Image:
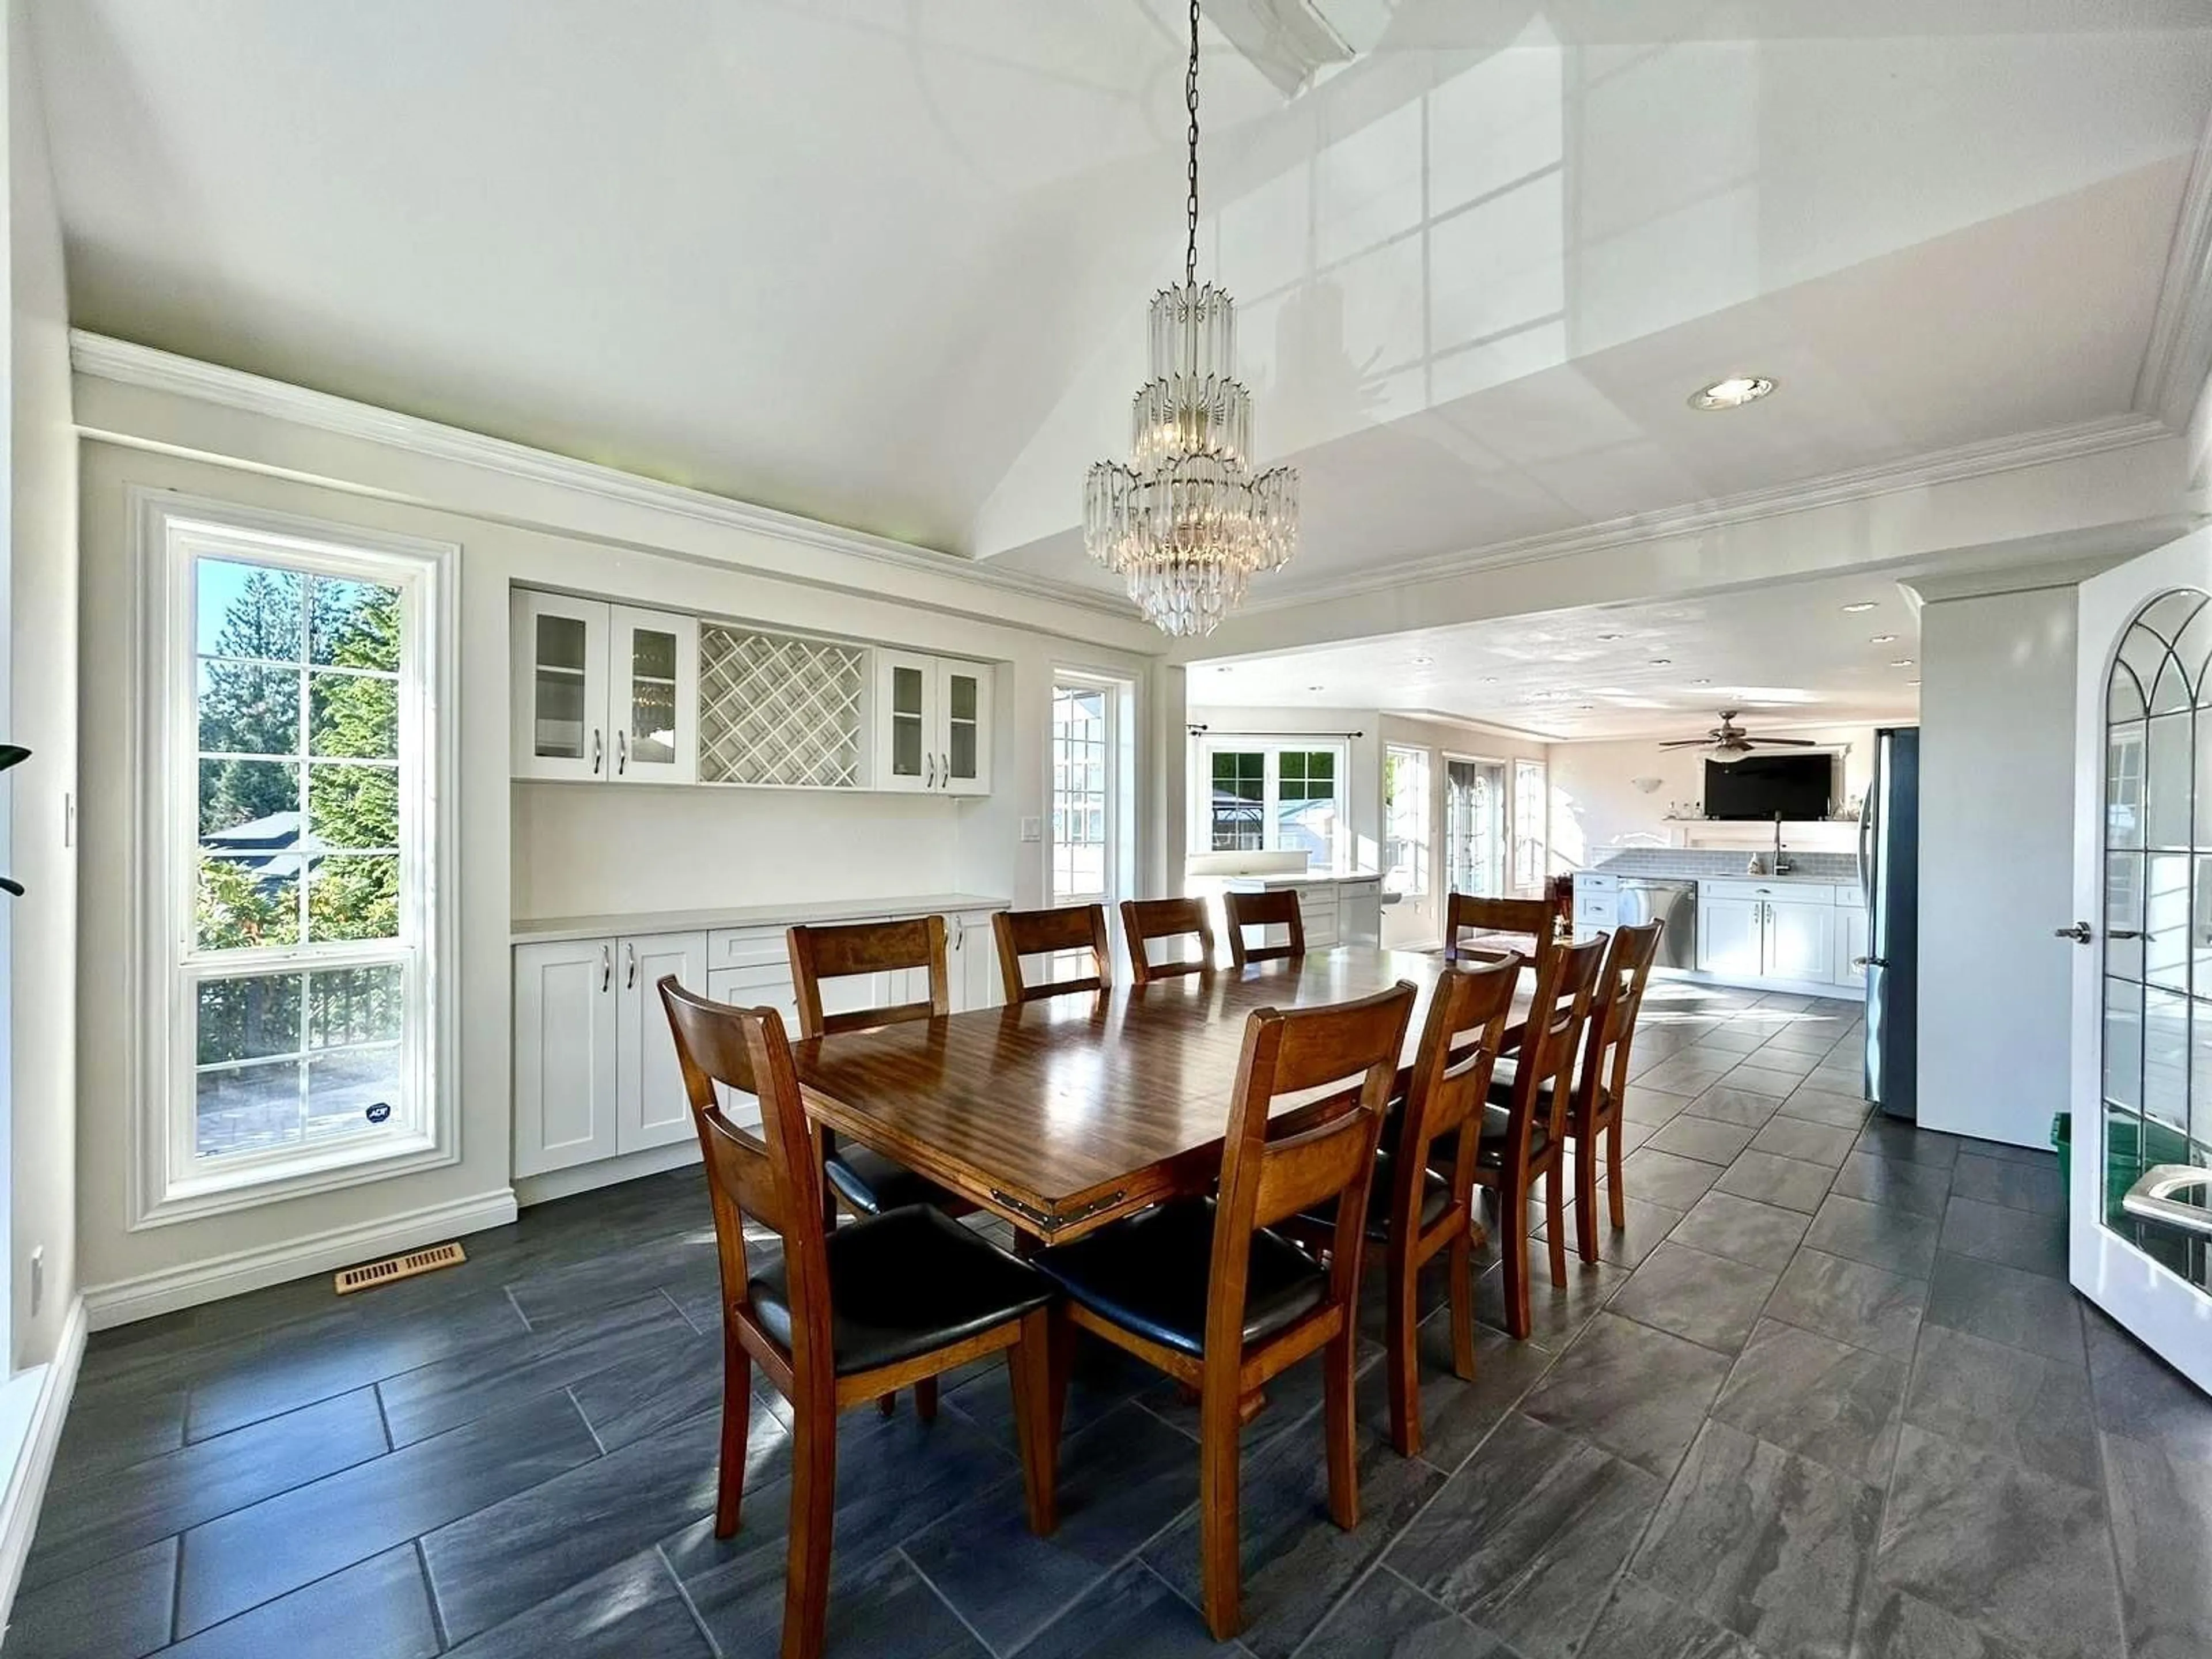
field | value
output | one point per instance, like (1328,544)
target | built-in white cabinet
(595,1070)
(932,725)
(1850,945)
(1751,931)
(604,692)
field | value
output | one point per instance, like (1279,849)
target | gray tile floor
(1827,1394)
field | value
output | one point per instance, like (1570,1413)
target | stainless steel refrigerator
(1889,871)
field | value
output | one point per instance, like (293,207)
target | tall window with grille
(293,872)
(1083,767)
(1529,825)
(1406,810)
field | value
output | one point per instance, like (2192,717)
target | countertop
(1306,878)
(549,930)
(1793,878)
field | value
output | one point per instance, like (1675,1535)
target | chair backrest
(867,947)
(1276,908)
(1324,1149)
(1459,1044)
(1613,1008)
(775,1179)
(1143,919)
(1472,912)
(1049,933)
(1566,984)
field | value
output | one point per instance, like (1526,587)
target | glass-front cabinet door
(906,721)
(560,694)
(653,682)
(964,755)
(2140,1192)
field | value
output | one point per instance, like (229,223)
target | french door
(1474,826)
(2141,1228)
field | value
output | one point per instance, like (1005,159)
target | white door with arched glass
(2140,1212)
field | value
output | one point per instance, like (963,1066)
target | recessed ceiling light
(1913,682)
(1854,610)
(1490,679)
(1317,688)
(1883,639)
(1701,682)
(1423,662)
(1607,639)
(1662,662)
(1900,662)
(1732,392)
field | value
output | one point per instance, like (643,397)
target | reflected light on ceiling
(1733,391)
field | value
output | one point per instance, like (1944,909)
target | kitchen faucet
(1781,865)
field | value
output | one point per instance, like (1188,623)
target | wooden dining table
(1066,1113)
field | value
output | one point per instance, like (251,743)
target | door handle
(607,966)
(2125,933)
(2080,933)
(621,752)
(630,969)
(1869,961)
(2151,1199)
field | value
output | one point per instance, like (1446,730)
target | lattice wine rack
(775,709)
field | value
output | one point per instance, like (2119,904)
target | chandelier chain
(1190,206)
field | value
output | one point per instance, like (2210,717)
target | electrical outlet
(1032,829)
(38,1277)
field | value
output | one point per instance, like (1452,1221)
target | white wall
(525,847)
(1996,806)
(1597,808)
(42,667)
(1408,924)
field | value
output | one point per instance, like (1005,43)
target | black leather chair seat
(872,1184)
(902,1283)
(1490,1148)
(1149,1274)
(1436,1197)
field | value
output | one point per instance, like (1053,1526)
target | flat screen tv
(1758,786)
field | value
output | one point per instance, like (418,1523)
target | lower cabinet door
(1850,945)
(971,964)
(1730,937)
(652,1107)
(1800,941)
(565,1054)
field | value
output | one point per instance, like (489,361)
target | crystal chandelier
(1187,523)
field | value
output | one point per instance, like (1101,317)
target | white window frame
(1423,816)
(167,1182)
(1201,787)
(1116,692)
(1535,836)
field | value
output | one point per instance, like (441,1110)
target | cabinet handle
(599,751)
(607,966)
(630,969)
(945,770)
(932,784)
(621,752)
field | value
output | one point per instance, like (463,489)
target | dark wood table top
(1063,1114)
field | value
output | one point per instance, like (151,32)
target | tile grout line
(430,1594)
(944,1600)
(683,1594)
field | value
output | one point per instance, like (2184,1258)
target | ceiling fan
(1729,739)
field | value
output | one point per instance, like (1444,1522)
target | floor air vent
(369,1277)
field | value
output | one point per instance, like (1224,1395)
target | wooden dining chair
(842,1316)
(1203,1289)
(1415,1212)
(1524,1124)
(867,1182)
(1601,1084)
(1488,917)
(1277,908)
(1146,920)
(1052,932)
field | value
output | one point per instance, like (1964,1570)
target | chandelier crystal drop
(1185,522)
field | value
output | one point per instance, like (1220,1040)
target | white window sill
(247,1189)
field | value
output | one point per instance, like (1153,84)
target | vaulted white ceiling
(884,262)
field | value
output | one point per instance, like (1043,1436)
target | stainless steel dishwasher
(1675,902)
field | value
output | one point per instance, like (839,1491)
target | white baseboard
(128,1299)
(54,1383)
(606,1172)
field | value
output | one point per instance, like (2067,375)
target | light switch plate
(1032,829)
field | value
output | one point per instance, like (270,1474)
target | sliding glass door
(1474,826)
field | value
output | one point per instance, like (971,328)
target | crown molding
(2179,358)
(123,362)
(1940,466)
